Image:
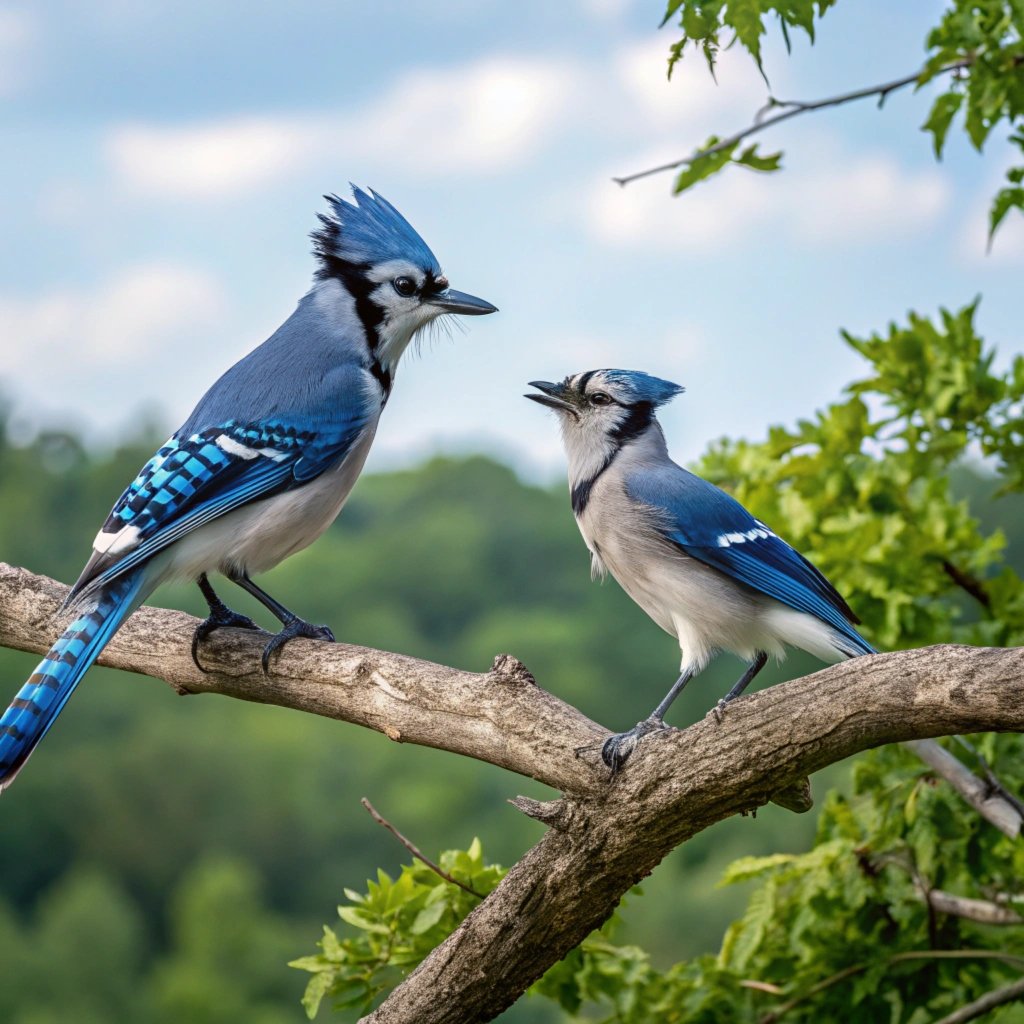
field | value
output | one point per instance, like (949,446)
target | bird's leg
(741,684)
(293,625)
(220,615)
(617,748)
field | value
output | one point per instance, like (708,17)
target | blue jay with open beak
(690,555)
(265,461)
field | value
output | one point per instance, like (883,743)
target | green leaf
(757,161)
(943,110)
(428,917)
(745,17)
(359,919)
(1006,199)
(701,166)
(316,988)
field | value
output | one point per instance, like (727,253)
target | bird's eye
(405,286)
(600,398)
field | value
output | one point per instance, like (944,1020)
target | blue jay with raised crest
(266,460)
(689,554)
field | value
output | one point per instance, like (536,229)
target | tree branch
(989,1001)
(793,107)
(416,852)
(985,797)
(605,837)
(982,911)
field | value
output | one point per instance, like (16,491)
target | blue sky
(164,163)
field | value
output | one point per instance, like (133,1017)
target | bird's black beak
(451,301)
(551,396)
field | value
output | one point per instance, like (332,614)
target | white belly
(257,536)
(705,610)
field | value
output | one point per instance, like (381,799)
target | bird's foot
(294,628)
(719,711)
(219,617)
(618,748)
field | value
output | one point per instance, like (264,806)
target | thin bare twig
(793,107)
(971,584)
(437,869)
(896,958)
(990,775)
(989,1001)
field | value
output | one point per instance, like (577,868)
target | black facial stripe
(383,377)
(636,422)
(354,278)
(581,387)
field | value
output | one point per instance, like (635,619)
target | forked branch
(603,837)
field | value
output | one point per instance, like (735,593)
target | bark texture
(604,835)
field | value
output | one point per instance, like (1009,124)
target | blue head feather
(632,386)
(368,231)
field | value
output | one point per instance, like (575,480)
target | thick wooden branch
(604,836)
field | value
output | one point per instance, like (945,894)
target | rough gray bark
(604,836)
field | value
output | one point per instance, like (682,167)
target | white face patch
(388,271)
(403,317)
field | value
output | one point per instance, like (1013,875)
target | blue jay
(690,555)
(265,461)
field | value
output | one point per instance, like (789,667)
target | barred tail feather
(43,697)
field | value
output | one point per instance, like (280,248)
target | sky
(164,163)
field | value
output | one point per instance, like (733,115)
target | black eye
(405,286)
(599,398)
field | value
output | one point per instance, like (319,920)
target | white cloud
(604,10)
(692,101)
(207,161)
(480,117)
(838,201)
(17,35)
(138,314)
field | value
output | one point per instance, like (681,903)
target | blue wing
(197,476)
(711,526)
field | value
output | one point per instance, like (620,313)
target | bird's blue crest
(368,230)
(631,386)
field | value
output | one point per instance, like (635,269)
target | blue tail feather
(43,697)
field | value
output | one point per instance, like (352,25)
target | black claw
(618,748)
(218,618)
(294,628)
(719,711)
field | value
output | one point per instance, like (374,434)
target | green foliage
(397,922)
(706,22)
(842,932)
(977,49)
(865,486)
(713,157)
(987,36)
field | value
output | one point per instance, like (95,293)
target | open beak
(551,396)
(451,301)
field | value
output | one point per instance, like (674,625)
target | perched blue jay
(265,461)
(690,555)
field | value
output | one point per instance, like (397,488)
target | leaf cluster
(397,922)
(711,25)
(865,487)
(988,36)
(979,44)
